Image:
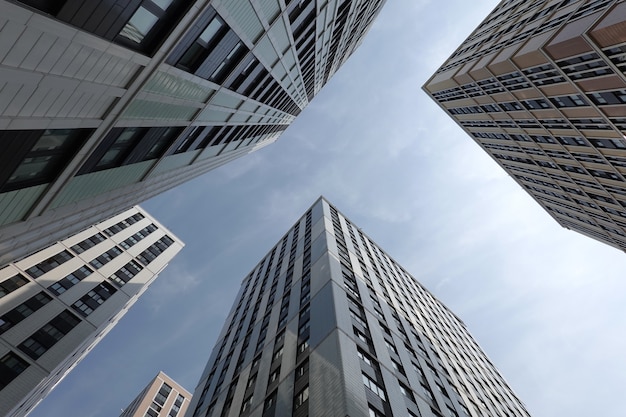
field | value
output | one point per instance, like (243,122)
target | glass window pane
(139,25)
(210,31)
(163,4)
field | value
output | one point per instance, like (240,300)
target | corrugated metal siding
(16,204)
(245,17)
(96,183)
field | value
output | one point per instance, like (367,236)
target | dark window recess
(199,41)
(93,299)
(106,257)
(19,313)
(135,24)
(608,97)
(118,227)
(11,366)
(137,237)
(155,250)
(187,141)
(35,157)
(126,273)
(46,337)
(573,100)
(11,284)
(49,264)
(210,49)
(244,74)
(129,145)
(69,281)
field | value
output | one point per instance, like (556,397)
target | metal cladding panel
(16,204)
(243,15)
(88,185)
(323,314)
(326,379)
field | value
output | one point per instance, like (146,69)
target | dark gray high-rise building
(540,86)
(104,104)
(328,324)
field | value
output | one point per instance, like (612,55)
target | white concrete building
(58,303)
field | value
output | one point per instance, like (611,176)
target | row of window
(362,333)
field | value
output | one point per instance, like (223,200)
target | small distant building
(162,397)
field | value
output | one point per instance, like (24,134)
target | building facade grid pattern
(540,86)
(328,324)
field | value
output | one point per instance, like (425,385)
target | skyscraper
(105,104)
(162,397)
(58,303)
(328,324)
(540,86)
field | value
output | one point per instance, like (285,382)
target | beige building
(58,303)
(540,86)
(162,397)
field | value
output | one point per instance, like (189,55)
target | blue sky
(545,303)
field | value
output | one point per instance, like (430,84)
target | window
(303,346)
(391,346)
(88,243)
(406,391)
(246,405)
(176,407)
(118,227)
(302,369)
(304,327)
(11,366)
(196,53)
(365,358)
(162,395)
(274,376)
(374,413)
(397,367)
(371,384)
(93,299)
(126,273)
(120,148)
(137,237)
(49,152)
(106,257)
(49,264)
(270,401)
(69,281)
(155,250)
(11,284)
(301,398)
(46,337)
(573,100)
(146,25)
(227,65)
(278,354)
(19,313)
